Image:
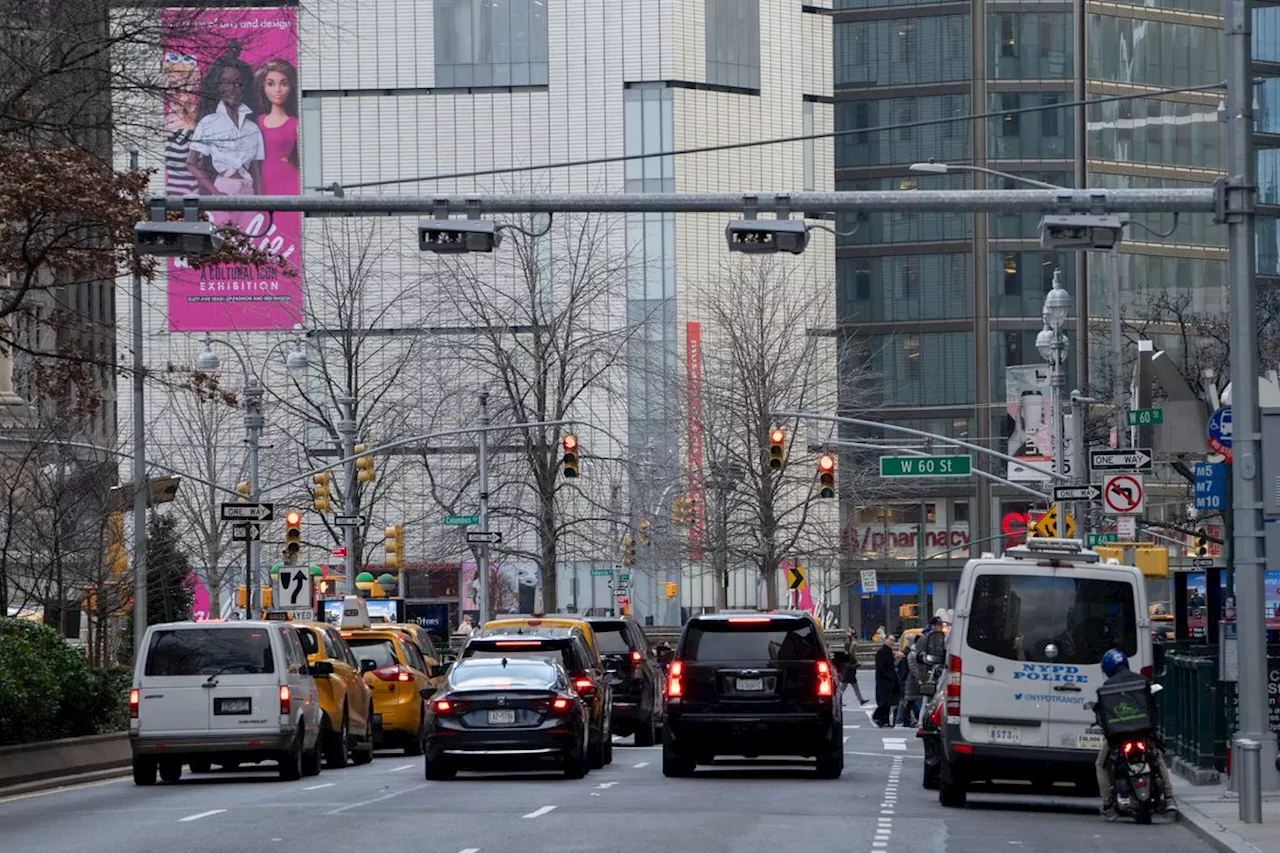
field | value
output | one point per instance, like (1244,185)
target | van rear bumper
(208,744)
(977,762)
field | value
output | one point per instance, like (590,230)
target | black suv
(751,685)
(634,675)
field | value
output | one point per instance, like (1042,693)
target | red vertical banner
(697,495)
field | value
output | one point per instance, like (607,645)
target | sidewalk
(1213,813)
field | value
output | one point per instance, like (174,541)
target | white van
(222,693)
(1024,656)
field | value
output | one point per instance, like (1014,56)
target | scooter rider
(1115,666)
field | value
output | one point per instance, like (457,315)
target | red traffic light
(293,518)
(570,442)
(777,436)
(826,463)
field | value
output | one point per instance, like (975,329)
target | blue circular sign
(1219,430)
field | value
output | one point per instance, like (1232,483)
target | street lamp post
(1052,344)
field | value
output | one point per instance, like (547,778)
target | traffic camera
(364,465)
(458,236)
(570,446)
(292,535)
(175,239)
(767,236)
(1080,232)
(827,476)
(394,546)
(320,493)
(777,449)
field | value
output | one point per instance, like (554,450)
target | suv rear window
(528,673)
(544,651)
(611,637)
(1016,616)
(774,640)
(381,652)
(204,651)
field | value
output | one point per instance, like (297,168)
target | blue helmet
(1114,661)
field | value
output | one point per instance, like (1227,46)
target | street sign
(625,577)
(1101,539)
(348,520)
(340,551)
(1127,528)
(796,577)
(1076,493)
(1202,562)
(601,573)
(1133,459)
(624,601)
(247,512)
(1219,430)
(1047,526)
(1144,417)
(300,615)
(246,531)
(620,593)
(475,537)
(461,520)
(868,581)
(1122,494)
(1211,485)
(291,588)
(925,466)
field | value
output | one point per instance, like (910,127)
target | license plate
(1093,742)
(502,718)
(1005,735)
(232,706)
(746,685)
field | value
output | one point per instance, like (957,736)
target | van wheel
(647,734)
(952,791)
(311,760)
(170,770)
(674,763)
(831,765)
(337,746)
(363,753)
(608,747)
(291,761)
(595,753)
(144,771)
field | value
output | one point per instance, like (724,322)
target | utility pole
(347,435)
(482,460)
(1246,510)
(140,490)
(253,422)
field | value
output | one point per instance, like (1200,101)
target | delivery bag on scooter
(1124,707)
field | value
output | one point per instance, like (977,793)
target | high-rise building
(940,305)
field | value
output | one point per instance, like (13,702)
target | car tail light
(286,700)
(560,705)
(953,686)
(393,673)
(636,657)
(1148,672)
(936,716)
(443,706)
(749,620)
(674,687)
(134,697)
(581,683)
(515,643)
(637,663)
(826,687)
(1131,745)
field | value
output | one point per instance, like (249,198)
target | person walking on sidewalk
(850,674)
(888,690)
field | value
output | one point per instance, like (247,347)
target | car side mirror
(934,660)
(1089,706)
(928,688)
(321,668)
(586,691)
(438,670)
(367,665)
(426,692)
(935,645)
(666,655)
(449,658)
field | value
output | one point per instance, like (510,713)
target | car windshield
(772,640)
(611,637)
(484,673)
(491,651)
(381,651)
(1017,617)
(206,651)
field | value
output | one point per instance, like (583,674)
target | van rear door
(234,675)
(171,701)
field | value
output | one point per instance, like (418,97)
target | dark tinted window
(204,651)
(1016,616)
(381,652)
(748,641)
(611,637)
(310,644)
(563,653)
(522,673)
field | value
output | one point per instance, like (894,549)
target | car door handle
(1066,688)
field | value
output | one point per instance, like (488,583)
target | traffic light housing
(827,476)
(394,546)
(628,550)
(265,597)
(365,472)
(570,446)
(292,535)
(116,555)
(645,524)
(320,495)
(672,589)
(1200,543)
(777,448)
(243,489)
(240,597)
(681,511)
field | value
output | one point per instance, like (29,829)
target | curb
(1209,830)
(56,782)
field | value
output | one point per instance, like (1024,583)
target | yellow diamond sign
(1047,526)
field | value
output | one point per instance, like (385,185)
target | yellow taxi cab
(345,699)
(396,672)
(908,638)
(552,621)
(421,638)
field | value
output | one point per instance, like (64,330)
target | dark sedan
(504,713)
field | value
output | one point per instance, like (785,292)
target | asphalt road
(877,805)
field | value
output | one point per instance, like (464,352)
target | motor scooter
(1134,764)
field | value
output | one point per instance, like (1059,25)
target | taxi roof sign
(355,613)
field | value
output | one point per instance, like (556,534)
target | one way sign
(796,577)
(1076,493)
(1134,459)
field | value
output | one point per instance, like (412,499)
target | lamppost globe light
(1057,303)
(208,360)
(1044,342)
(297,363)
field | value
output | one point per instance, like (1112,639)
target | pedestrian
(465,629)
(850,674)
(887,689)
(910,688)
(918,674)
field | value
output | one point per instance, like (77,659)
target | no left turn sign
(1123,494)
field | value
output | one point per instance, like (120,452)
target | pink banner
(201,604)
(697,494)
(231,128)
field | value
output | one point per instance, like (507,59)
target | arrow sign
(795,577)
(1076,493)
(1137,459)
(246,531)
(1202,562)
(1123,494)
(247,512)
(348,520)
(475,537)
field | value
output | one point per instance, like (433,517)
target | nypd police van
(1024,656)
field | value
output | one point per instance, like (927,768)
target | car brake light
(1148,672)
(826,687)
(560,704)
(393,673)
(749,620)
(936,716)
(580,684)
(953,686)
(636,657)
(1131,745)
(510,643)
(674,688)
(134,696)
(285,700)
(443,706)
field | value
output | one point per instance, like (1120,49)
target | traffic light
(116,555)
(681,511)
(364,465)
(644,532)
(777,442)
(328,586)
(243,488)
(628,550)
(827,476)
(265,597)
(240,598)
(292,535)
(1200,544)
(394,546)
(672,589)
(320,493)
(570,445)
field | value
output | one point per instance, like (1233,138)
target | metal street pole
(482,461)
(253,422)
(347,435)
(1058,384)
(140,490)
(1080,128)
(1247,449)
(922,596)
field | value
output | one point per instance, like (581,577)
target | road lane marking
(606,785)
(641,764)
(192,817)
(321,785)
(846,739)
(539,812)
(401,767)
(470,850)
(895,744)
(879,754)
(13,798)
(349,806)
